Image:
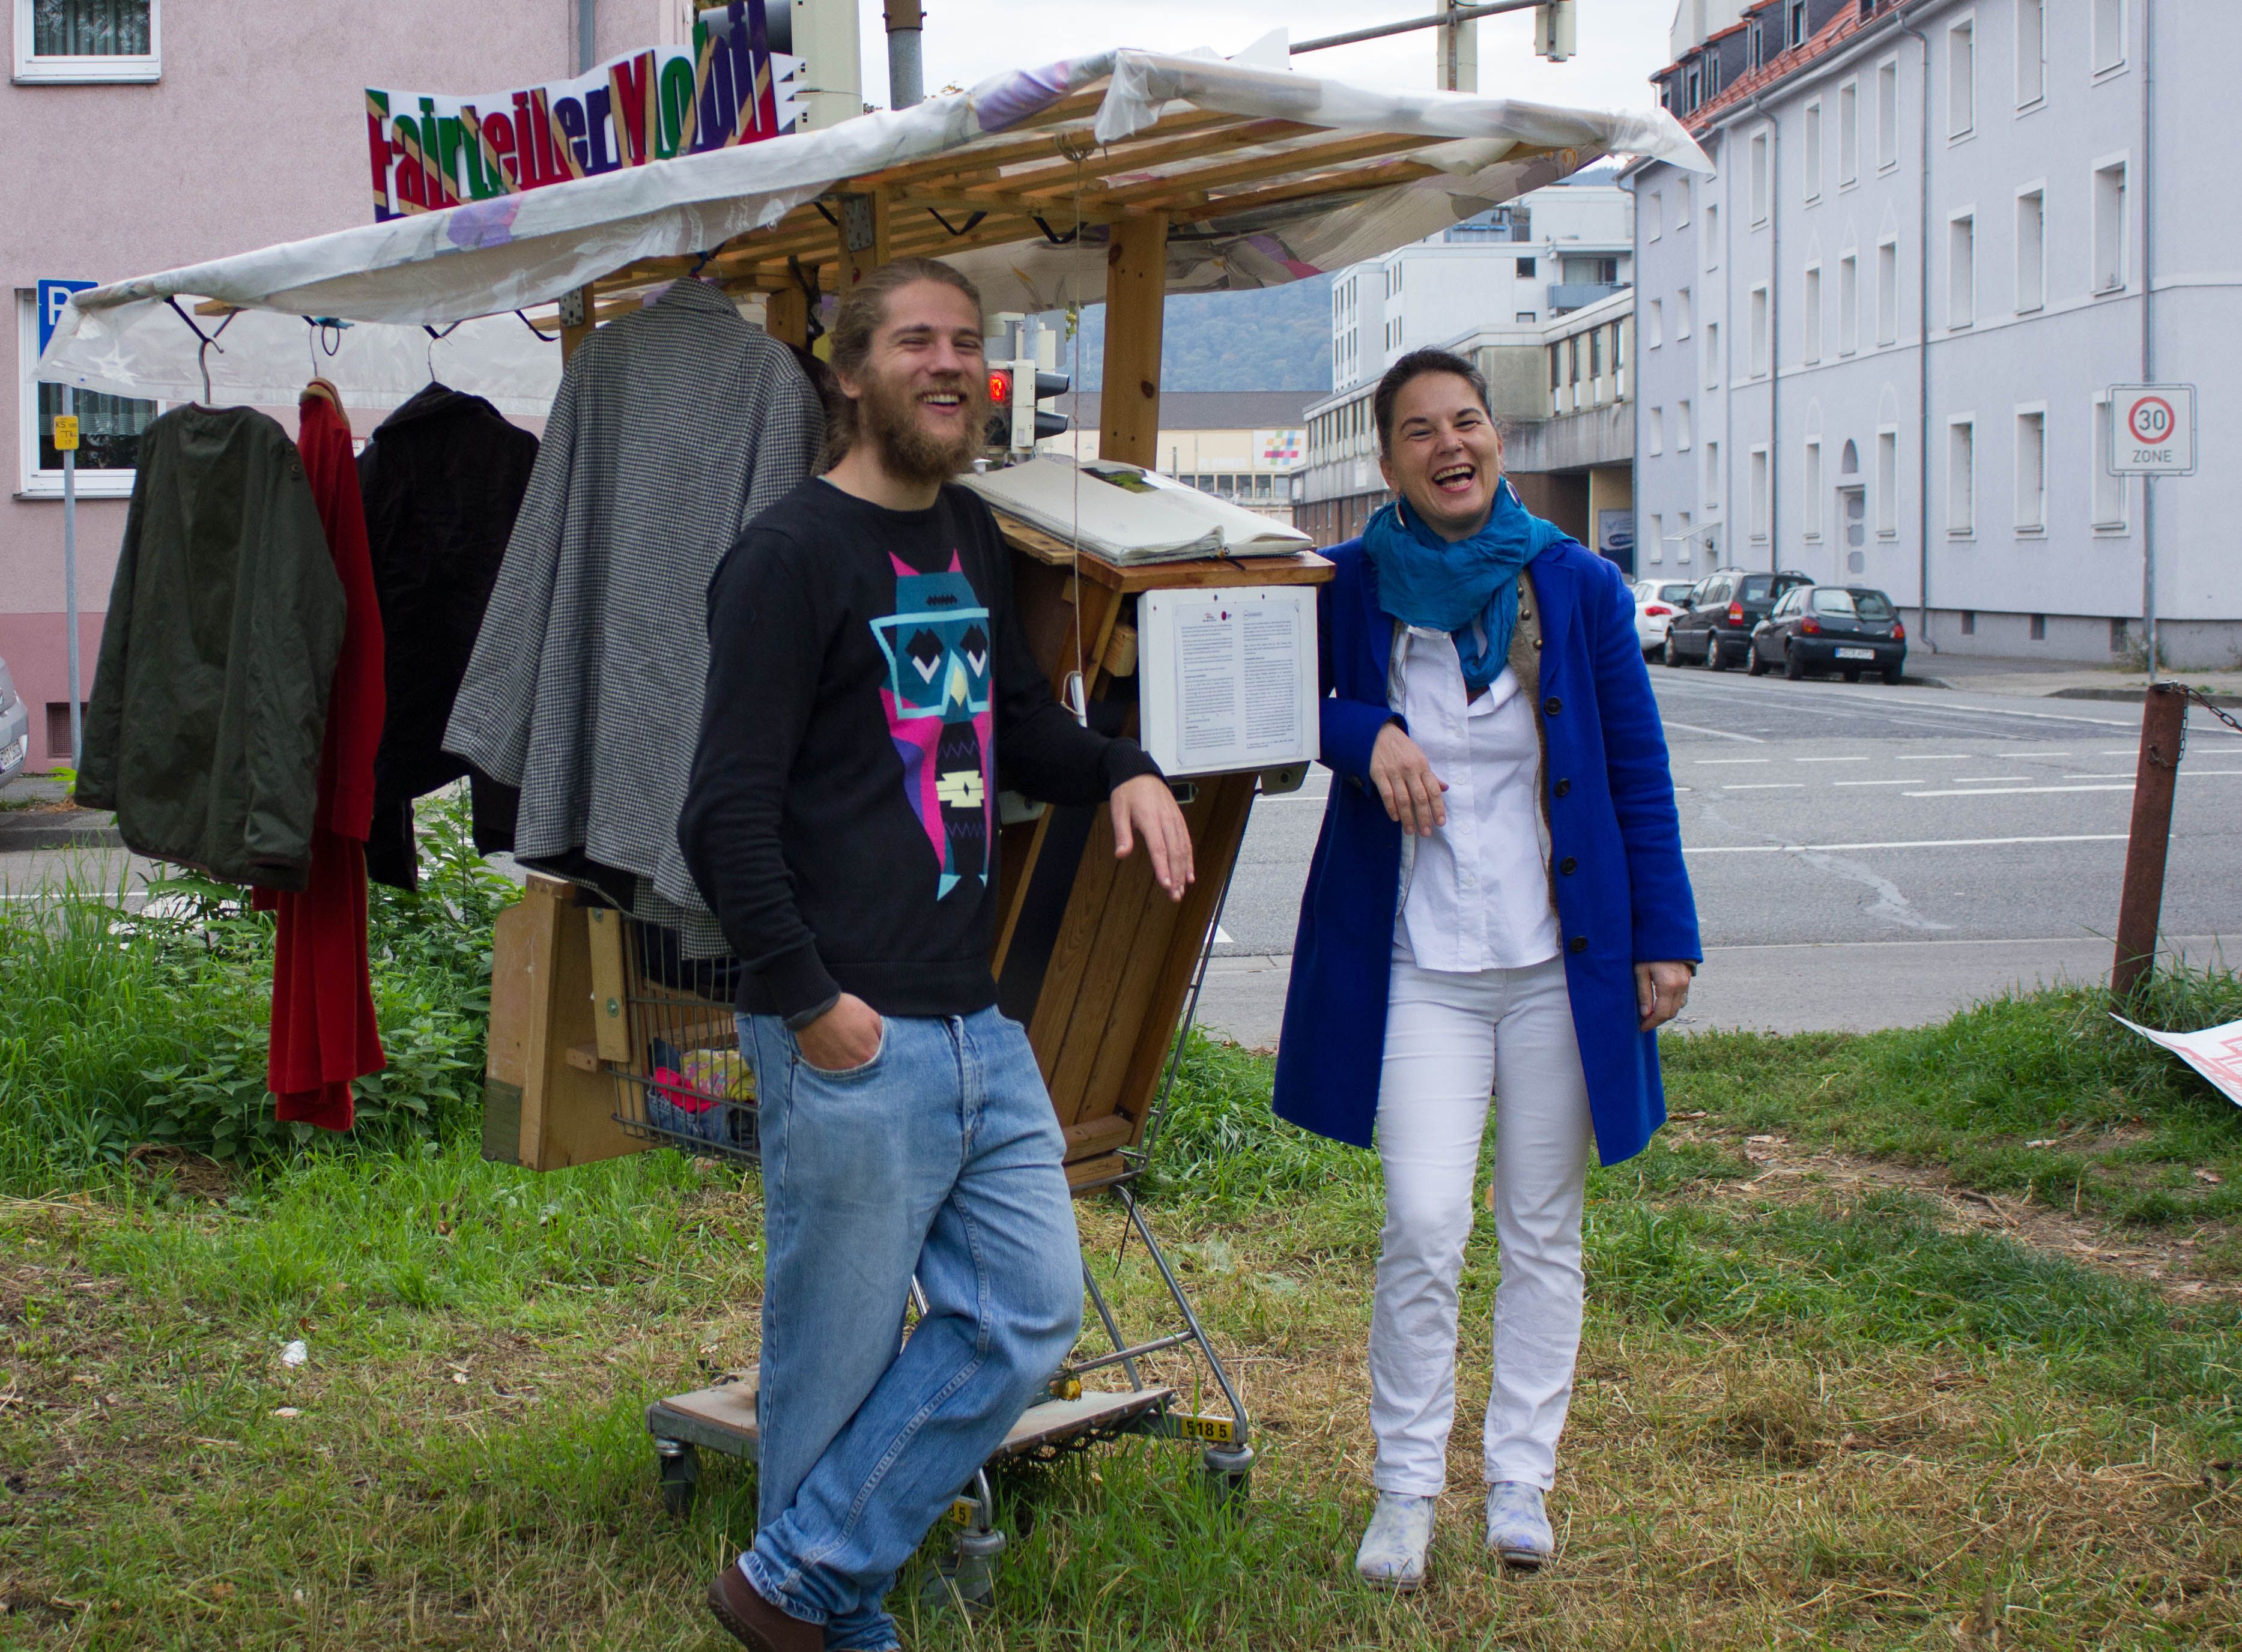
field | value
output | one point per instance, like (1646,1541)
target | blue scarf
(1468,588)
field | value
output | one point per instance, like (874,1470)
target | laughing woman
(1497,905)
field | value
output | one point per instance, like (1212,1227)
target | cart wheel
(1229,1473)
(680,1467)
(966,1579)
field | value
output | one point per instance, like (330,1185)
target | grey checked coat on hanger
(673,428)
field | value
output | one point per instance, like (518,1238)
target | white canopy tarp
(487,258)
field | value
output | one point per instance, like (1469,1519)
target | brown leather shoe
(753,1621)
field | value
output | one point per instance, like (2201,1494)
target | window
(2031,250)
(1712,476)
(1813,164)
(1796,33)
(1849,304)
(109,427)
(1681,427)
(1961,79)
(2038,629)
(1759,500)
(2031,470)
(1527,318)
(1712,355)
(2109,491)
(1888,484)
(1811,496)
(1813,307)
(63,41)
(2031,52)
(1849,133)
(1683,191)
(1888,292)
(1888,114)
(1681,313)
(1654,428)
(1655,326)
(2110,229)
(2108,35)
(1657,537)
(1758,332)
(1653,215)
(1759,178)
(1961,478)
(1526,269)
(1961,271)
(1711,233)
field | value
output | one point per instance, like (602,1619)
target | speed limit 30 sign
(2151,430)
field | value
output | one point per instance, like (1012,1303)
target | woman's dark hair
(863,307)
(1416,365)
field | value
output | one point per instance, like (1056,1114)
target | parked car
(15,727)
(1848,628)
(1656,602)
(1716,625)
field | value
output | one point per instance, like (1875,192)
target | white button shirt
(1475,894)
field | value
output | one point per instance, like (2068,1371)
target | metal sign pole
(70,572)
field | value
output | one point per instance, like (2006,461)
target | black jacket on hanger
(443,477)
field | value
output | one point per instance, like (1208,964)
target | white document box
(1226,679)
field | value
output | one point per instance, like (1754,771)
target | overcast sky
(1621,42)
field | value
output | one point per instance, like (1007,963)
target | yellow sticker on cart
(65,437)
(962,1510)
(1220,1430)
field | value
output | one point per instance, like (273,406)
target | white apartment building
(1550,252)
(1878,345)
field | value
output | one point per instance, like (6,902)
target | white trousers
(1450,1040)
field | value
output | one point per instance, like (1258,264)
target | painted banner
(2216,1052)
(733,85)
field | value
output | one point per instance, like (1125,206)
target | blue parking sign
(53,295)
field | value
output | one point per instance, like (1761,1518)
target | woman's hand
(1660,990)
(1405,782)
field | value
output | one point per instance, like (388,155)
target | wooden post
(786,316)
(863,235)
(1136,294)
(577,317)
(2164,725)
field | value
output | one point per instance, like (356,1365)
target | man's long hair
(863,307)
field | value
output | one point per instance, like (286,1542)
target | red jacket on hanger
(324,1033)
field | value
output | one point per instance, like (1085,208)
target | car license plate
(1856,653)
(13,752)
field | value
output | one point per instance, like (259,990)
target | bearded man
(870,688)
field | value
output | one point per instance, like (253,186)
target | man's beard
(887,417)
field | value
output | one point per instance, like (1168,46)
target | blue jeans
(940,1156)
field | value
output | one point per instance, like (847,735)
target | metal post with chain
(2164,742)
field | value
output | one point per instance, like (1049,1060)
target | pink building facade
(154,133)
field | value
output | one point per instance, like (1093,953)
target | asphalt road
(1862,855)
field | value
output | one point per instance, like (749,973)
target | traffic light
(1015,421)
(999,432)
(1556,30)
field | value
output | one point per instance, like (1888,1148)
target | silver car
(15,729)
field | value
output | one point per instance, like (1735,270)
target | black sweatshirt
(841,820)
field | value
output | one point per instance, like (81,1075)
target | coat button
(1552,705)
(1537,642)
(1562,786)
(1568,866)
(1579,943)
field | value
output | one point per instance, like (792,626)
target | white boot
(1392,1552)
(1517,1528)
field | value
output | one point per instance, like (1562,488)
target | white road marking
(2097,776)
(1973,780)
(1873,783)
(1222,936)
(1718,734)
(2039,753)
(2012,791)
(1932,757)
(1829,760)
(1923,843)
(1769,785)
(1730,762)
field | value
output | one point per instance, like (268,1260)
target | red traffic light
(1000,386)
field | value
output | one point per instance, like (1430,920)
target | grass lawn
(1926,1339)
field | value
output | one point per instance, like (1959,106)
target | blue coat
(1612,820)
